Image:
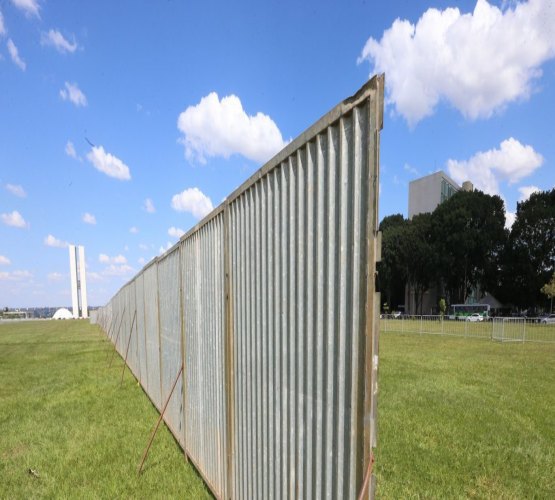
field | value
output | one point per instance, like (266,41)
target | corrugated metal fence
(269,306)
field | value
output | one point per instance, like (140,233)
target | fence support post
(229,349)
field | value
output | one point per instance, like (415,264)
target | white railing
(498,329)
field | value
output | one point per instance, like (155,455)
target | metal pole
(145,453)
(127,350)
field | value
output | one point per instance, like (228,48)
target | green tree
(419,257)
(530,255)
(391,274)
(549,290)
(468,237)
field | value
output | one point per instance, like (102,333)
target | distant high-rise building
(78,281)
(426,193)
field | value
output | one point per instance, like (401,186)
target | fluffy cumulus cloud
(194,201)
(72,93)
(511,162)
(55,39)
(52,241)
(149,206)
(133,230)
(527,191)
(16,190)
(29,7)
(175,232)
(89,218)
(478,62)
(14,54)
(14,219)
(106,259)
(217,127)
(4,261)
(55,277)
(108,164)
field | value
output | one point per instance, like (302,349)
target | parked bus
(462,311)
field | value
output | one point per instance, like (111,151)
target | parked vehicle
(548,319)
(475,317)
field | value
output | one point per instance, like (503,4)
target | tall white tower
(78,281)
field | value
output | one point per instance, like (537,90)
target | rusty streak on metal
(127,350)
(145,453)
(367,477)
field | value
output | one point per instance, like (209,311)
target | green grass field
(458,418)
(465,418)
(64,415)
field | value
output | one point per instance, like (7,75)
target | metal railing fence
(269,306)
(499,329)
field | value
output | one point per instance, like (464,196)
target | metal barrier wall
(269,305)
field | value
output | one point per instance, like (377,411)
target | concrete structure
(78,281)
(426,193)
(62,313)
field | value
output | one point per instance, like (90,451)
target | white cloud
(410,169)
(527,191)
(141,261)
(55,39)
(51,241)
(194,201)
(14,219)
(512,162)
(217,127)
(70,150)
(478,62)
(2,25)
(4,261)
(73,94)
(106,259)
(115,270)
(29,7)
(94,277)
(14,54)
(56,277)
(163,249)
(149,206)
(142,246)
(133,230)
(175,232)
(509,219)
(108,164)
(16,190)
(89,218)
(15,275)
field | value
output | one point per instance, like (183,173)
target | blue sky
(115,116)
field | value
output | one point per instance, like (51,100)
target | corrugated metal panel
(170,339)
(203,294)
(152,334)
(299,258)
(141,338)
(273,297)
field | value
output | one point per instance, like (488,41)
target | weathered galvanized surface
(204,328)
(269,304)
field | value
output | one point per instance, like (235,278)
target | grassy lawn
(458,418)
(64,415)
(465,418)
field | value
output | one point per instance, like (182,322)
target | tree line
(463,245)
